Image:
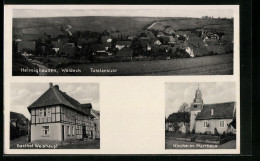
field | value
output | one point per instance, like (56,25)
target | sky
(143,12)
(24,94)
(178,93)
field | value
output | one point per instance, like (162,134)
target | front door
(91,135)
(62,133)
(84,132)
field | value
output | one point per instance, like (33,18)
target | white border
(132,108)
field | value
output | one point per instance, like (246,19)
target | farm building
(56,45)
(209,118)
(121,44)
(160,34)
(19,124)
(55,116)
(169,31)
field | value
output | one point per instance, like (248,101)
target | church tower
(195,108)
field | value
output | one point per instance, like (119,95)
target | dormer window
(212,112)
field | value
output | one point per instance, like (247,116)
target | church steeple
(198,96)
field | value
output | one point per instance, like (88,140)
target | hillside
(122,24)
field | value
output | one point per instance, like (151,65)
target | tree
(183,112)
(184,108)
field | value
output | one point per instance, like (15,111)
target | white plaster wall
(54,132)
(215,123)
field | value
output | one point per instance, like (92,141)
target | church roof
(220,111)
(54,96)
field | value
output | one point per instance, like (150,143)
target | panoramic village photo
(54,116)
(121,42)
(200,116)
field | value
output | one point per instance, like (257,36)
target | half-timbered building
(57,116)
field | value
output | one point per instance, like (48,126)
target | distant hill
(100,23)
(52,25)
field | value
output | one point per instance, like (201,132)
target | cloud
(24,94)
(178,93)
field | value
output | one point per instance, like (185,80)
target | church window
(205,124)
(221,123)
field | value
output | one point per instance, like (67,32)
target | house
(169,39)
(209,118)
(144,39)
(189,50)
(154,48)
(169,31)
(156,42)
(81,42)
(20,122)
(55,116)
(130,37)
(96,115)
(106,39)
(146,46)
(26,45)
(121,44)
(67,50)
(178,121)
(56,45)
(160,34)
(165,47)
(126,53)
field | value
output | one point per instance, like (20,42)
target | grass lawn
(175,144)
(215,64)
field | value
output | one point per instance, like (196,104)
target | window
(68,130)
(73,130)
(195,106)
(205,124)
(48,112)
(41,113)
(45,130)
(221,123)
(44,113)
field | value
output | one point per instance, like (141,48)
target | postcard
(121,79)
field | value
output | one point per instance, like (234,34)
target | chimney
(212,112)
(56,86)
(51,85)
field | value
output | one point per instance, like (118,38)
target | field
(39,26)
(208,65)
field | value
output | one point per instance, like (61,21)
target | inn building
(55,116)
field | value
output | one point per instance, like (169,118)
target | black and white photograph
(123,41)
(54,116)
(200,116)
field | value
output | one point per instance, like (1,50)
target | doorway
(62,132)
